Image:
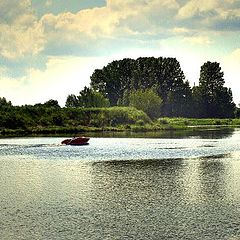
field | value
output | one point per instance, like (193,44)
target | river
(138,186)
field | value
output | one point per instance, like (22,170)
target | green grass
(80,120)
(178,123)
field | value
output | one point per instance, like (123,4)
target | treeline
(49,117)
(158,87)
(155,86)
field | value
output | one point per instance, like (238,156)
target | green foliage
(196,122)
(119,78)
(211,98)
(237,112)
(72,101)
(90,98)
(4,103)
(87,98)
(147,101)
(51,103)
(114,116)
(113,79)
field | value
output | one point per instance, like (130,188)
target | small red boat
(76,141)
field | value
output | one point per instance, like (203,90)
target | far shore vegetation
(146,94)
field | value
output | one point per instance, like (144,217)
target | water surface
(173,187)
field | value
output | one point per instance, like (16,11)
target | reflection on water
(49,191)
(210,133)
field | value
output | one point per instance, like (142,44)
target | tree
(118,78)
(237,111)
(4,103)
(72,101)
(113,79)
(90,98)
(214,99)
(52,103)
(198,106)
(147,101)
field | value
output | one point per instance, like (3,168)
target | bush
(147,101)
(163,121)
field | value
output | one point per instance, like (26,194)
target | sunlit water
(121,188)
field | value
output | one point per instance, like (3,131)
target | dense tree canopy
(120,78)
(87,98)
(162,74)
(211,97)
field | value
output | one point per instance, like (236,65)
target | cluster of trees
(50,117)
(87,98)
(155,85)
(158,87)
(21,117)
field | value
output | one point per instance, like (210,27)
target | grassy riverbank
(138,122)
(42,120)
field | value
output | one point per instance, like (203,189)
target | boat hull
(76,141)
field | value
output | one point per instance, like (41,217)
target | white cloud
(116,17)
(20,32)
(23,34)
(195,7)
(180,30)
(198,40)
(230,67)
(234,58)
(16,41)
(214,15)
(92,23)
(62,76)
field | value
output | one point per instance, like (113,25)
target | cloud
(91,30)
(116,16)
(232,60)
(104,28)
(66,74)
(198,40)
(214,15)
(20,32)
(16,41)
(230,66)
(195,7)
(48,3)
(12,10)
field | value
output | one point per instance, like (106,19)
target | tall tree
(113,79)
(215,99)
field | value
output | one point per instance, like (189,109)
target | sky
(50,48)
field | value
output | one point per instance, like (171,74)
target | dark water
(174,187)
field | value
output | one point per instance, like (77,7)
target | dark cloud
(228,24)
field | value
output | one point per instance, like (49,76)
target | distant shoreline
(160,125)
